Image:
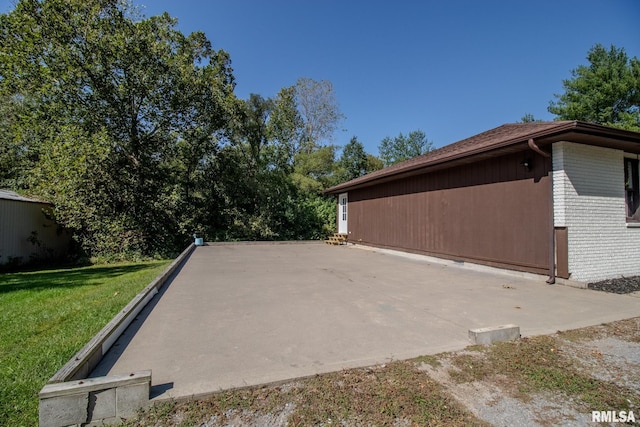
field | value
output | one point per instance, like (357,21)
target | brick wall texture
(588,192)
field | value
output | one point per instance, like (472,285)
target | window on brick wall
(632,190)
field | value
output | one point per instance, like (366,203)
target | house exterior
(555,198)
(27,230)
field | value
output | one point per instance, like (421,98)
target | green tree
(14,156)
(353,161)
(121,113)
(373,163)
(285,129)
(403,147)
(607,91)
(255,183)
(313,170)
(270,189)
(251,135)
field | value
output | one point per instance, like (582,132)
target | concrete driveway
(247,314)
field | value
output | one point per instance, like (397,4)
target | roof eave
(431,167)
(577,131)
(597,135)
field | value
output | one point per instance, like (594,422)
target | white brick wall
(588,199)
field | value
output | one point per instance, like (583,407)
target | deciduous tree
(114,101)
(285,128)
(319,110)
(373,163)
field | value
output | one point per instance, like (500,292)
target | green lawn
(47,316)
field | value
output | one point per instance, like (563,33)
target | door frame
(343,213)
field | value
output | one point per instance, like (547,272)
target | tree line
(133,131)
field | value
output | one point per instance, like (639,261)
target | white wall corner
(560,182)
(589,199)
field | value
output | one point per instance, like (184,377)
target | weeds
(469,368)
(627,330)
(401,393)
(397,392)
(538,364)
(430,360)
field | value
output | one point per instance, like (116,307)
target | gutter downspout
(552,244)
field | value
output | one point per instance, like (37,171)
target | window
(632,189)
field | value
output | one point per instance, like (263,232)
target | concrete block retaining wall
(70,399)
(94,401)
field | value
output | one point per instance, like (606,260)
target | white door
(342,213)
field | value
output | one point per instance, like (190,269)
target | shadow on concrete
(121,344)
(158,389)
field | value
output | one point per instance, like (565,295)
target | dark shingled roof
(493,142)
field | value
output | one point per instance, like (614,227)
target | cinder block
(64,410)
(103,422)
(94,400)
(131,398)
(102,404)
(486,336)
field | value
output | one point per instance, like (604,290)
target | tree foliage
(132,129)
(285,128)
(373,163)
(607,91)
(112,102)
(355,162)
(271,188)
(13,157)
(401,148)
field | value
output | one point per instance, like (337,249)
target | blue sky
(450,68)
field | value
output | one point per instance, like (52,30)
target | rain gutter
(552,244)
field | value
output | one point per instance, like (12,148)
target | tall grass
(47,316)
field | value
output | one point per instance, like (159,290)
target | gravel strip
(620,285)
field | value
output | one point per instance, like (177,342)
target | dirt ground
(608,353)
(550,380)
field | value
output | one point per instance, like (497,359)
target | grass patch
(47,316)
(626,330)
(469,368)
(538,364)
(397,392)
(377,396)
(430,360)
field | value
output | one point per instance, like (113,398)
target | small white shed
(28,231)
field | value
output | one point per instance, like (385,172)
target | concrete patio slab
(246,314)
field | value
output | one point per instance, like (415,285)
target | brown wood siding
(493,212)
(562,252)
